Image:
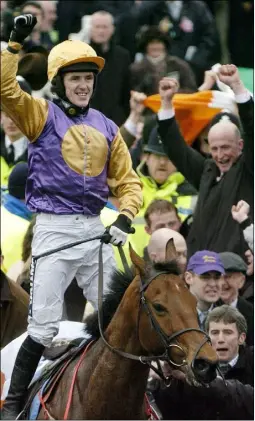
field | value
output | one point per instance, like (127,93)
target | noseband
(167,341)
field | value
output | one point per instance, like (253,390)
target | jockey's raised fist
(23,26)
(167,88)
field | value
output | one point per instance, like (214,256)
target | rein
(145,359)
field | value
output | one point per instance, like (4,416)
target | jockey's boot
(24,369)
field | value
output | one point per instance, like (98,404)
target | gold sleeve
(122,179)
(29,114)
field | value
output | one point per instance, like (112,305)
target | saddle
(61,347)
(61,355)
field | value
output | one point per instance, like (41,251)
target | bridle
(167,341)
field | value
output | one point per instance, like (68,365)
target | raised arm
(229,75)
(129,129)
(188,161)
(29,114)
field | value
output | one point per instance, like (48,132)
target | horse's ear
(171,253)
(137,261)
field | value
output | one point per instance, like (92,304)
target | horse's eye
(159,308)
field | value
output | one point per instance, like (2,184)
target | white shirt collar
(234,361)
(19,145)
(234,303)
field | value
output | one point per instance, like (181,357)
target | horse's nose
(204,370)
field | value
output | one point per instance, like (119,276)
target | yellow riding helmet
(71,52)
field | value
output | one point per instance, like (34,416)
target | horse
(149,315)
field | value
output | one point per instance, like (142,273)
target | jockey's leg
(52,275)
(87,274)
(25,366)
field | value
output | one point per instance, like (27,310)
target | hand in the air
(240,211)
(228,74)
(210,78)
(167,88)
(23,26)
(136,102)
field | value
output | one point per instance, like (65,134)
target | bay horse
(147,315)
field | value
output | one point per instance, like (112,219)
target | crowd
(124,118)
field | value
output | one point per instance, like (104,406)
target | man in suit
(13,143)
(227,329)
(234,279)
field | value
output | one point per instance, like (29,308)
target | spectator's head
(72,70)
(18,180)
(204,276)
(154,43)
(161,214)
(49,15)
(234,278)
(227,329)
(33,67)
(224,139)
(9,127)
(159,165)
(102,27)
(35,9)
(158,242)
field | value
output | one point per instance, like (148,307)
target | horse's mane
(120,281)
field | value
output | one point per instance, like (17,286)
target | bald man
(157,246)
(221,181)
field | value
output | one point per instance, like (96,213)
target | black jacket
(113,84)
(213,227)
(5,154)
(247,310)
(243,370)
(217,402)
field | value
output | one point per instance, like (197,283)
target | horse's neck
(121,382)
(116,385)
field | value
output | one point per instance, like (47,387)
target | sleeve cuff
(246,223)
(245,97)
(165,114)
(130,127)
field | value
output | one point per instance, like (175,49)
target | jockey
(75,155)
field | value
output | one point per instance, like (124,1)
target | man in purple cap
(204,277)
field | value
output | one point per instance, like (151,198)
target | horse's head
(168,321)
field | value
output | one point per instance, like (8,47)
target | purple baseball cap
(205,261)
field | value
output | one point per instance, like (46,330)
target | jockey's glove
(23,26)
(119,230)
